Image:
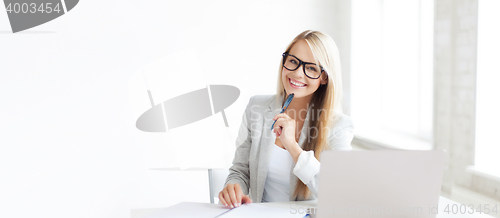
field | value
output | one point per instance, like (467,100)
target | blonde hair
(326,99)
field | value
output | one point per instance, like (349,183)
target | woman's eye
(312,69)
(293,61)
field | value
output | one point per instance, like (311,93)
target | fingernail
(232,206)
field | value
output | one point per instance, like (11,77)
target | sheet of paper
(259,210)
(190,210)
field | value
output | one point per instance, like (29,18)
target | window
(392,72)
(488,89)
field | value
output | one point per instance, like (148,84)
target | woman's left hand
(285,130)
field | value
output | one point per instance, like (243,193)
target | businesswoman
(282,163)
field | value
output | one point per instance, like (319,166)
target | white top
(278,177)
(277,186)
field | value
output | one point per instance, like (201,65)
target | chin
(297,93)
(300,95)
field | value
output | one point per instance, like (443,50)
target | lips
(296,84)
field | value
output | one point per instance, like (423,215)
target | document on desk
(206,210)
(259,210)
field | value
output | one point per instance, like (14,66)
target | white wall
(69,146)
(455,59)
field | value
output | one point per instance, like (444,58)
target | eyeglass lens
(311,70)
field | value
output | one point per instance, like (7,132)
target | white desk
(443,202)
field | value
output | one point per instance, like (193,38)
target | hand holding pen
(285,106)
(285,131)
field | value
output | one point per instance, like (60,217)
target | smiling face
(296,81)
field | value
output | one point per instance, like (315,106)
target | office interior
(417,75)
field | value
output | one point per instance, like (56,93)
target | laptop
(387,183)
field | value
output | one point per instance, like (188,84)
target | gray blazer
(254,146)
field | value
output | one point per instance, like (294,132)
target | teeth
(297,84)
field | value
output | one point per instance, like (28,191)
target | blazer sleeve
(307,166)
(239,172)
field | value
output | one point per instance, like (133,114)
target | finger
(226,197)
(278,124)
(274,125)
(221,198)
(281,115)
(232,195)
(239,195)
(277,130)
(278,120)
(246,199)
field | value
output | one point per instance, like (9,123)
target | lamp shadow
(26,32)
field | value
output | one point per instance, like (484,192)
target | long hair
(326,100)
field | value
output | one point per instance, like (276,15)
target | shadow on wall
(163,102)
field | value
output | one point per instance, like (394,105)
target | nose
(299,72)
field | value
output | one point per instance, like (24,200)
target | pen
(285,106)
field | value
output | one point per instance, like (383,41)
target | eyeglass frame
(303,63)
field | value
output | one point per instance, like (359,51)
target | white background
(69,146)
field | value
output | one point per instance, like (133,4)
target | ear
(324,79)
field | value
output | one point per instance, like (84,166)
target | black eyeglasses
(311,70)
